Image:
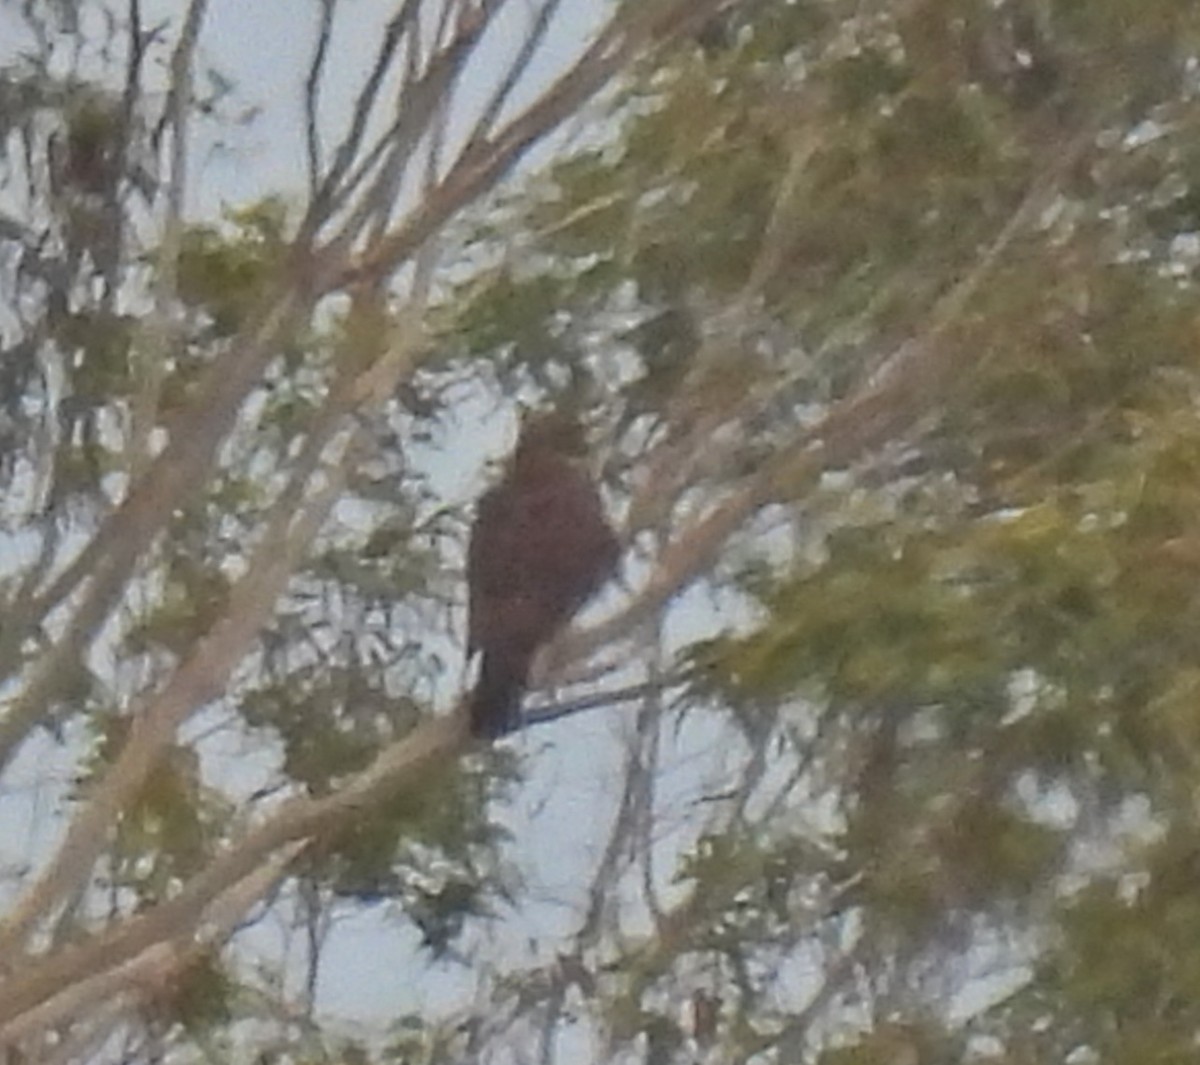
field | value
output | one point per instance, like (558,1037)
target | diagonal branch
(145,974)
(106,563)
(481,165)
(529,48)
(400,766)
(109,558)
(201,678)
(421,98)
(402,24)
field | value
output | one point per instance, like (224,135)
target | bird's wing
(487,546)
(568,538)
(539,549)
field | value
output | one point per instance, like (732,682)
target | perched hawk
(540,548)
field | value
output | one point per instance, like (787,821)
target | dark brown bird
(540,548)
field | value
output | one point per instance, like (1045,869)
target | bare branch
(312,97)
(201,678)
(400,766)
(109,558)
(420,99)
(402,24)
(529,49)
(480,166)
(105,996)
(160,333)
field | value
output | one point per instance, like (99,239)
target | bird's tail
(496,700)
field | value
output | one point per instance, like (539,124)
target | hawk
(540,548)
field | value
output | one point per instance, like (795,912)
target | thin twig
(404,22)
(480,166)
(160,332)
(312,97)
(529,49)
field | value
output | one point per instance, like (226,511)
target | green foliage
(201,1000)
(981,656)
(959,703)
(95,379)
(169,831)
(222,275)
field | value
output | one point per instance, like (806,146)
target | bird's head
(555,432)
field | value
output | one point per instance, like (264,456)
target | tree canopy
(885,315)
